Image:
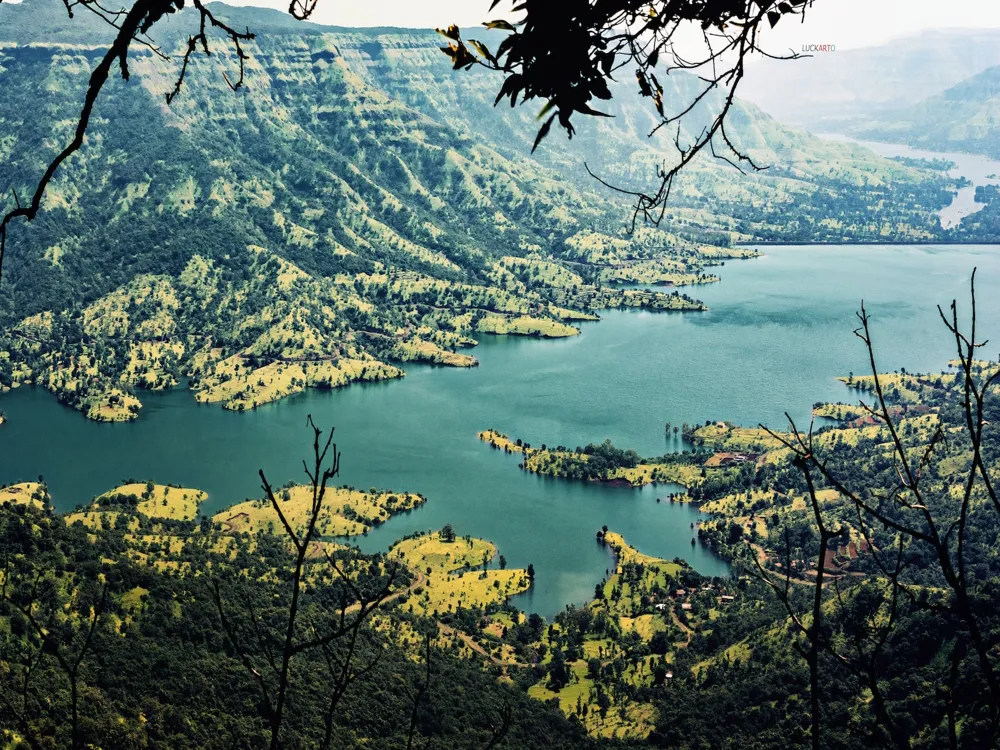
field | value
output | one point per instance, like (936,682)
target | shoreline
(871,243)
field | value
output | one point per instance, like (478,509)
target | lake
(976,168)
(778,332)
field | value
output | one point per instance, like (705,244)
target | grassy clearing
(114,405)
(839,412)
(160,500)
(420,350)
(346,512)
(25,493)
(456,573)
(524,325)
(239,385)
(155,501)
(626,553)
(726,436)
(630,721)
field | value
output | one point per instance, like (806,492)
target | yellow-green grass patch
(345,511)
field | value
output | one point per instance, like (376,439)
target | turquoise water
(778,332)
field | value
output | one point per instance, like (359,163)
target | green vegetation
(962,118)
(454,573)
(603,462)
(348,512)
(343,215)
(156,666)
(729,647)
(25,493)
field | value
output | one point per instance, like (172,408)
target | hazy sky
(846,23)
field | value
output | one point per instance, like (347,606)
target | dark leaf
(451,32)
(607,62)
(511,87)
(543,131)
(499,24)
(483,50)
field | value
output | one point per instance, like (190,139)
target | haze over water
(778,332)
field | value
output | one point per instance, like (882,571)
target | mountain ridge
(965,117)
(358,205)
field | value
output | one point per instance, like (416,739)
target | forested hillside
(157,668)
(356,205)
(965,117)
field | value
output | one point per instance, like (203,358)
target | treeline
(160,671)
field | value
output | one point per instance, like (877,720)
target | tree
(268,649)
(531,572)
(566,58)
(562,58)
(447,533)
(503,562)
(35,594)
(904,516)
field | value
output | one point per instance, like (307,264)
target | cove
(778,331)
(976,168)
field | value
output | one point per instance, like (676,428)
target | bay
(778,332)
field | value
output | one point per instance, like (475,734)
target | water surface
(977,168)
(778,333)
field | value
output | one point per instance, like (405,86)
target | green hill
(966,117)
(357,204)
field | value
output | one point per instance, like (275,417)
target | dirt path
(467,640)
(421,579)
(684,628)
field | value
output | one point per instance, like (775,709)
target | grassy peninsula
(658,651)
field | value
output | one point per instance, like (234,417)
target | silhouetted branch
(345,622)
(132,26)
(912,509)
(596,40)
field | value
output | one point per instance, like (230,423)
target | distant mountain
(358,202)
(830,90)
(965,118)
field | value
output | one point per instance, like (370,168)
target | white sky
(846,23)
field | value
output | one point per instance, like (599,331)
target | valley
(571,506)
(410,227)
(777,333)
(667,528)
